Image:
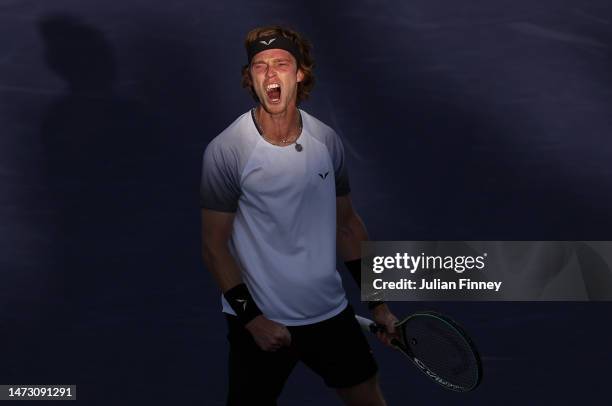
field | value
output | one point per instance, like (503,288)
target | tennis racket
(438,346)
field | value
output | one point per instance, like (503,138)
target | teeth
(272,86)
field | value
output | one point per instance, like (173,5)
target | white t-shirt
(284,231)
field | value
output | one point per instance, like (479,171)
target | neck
(279,126)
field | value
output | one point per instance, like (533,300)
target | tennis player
(275,207)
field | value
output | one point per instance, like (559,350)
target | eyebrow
(273,60)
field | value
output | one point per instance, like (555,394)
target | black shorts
(335,349)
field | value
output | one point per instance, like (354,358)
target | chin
(275,108)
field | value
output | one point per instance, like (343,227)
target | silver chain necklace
(298,146)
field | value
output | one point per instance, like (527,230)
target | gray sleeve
(340,170)
(220,184)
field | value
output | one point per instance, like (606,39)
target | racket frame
(401,346)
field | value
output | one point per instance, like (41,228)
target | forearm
(222,265)
(351,232)
(349,236)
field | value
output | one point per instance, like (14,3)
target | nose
(270,71)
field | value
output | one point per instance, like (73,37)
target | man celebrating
(275,206)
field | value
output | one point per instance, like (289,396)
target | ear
(300,75)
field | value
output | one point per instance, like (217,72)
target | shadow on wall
(115,190)
(102,161)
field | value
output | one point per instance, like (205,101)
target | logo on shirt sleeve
(323,176)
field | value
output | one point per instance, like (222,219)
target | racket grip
(367,325)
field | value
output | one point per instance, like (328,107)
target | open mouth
(273,91)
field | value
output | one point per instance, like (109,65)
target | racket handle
(367,325)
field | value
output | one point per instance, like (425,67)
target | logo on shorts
(323,176)
(267,43)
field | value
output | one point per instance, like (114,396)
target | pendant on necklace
(298,147)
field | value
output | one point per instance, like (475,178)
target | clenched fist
(269,335)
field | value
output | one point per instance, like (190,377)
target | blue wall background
(472,120)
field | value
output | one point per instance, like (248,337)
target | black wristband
(354,268)
(242,302)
